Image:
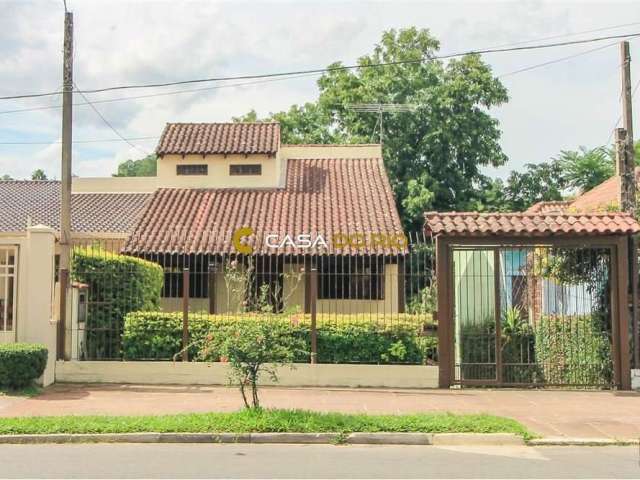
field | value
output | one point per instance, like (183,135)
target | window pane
(192,169)
(245,169)
(9,321)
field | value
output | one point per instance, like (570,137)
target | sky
(560,106)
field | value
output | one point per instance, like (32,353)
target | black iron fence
(533,315)
(359,299)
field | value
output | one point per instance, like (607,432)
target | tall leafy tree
(538,182)
(585,168)
(144,167)
(434,153)
(6,177)
(38,174)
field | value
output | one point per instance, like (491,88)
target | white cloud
(120,42)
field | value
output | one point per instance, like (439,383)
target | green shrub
(253,349)
(574,350)
(158,335)
(117,285)
(21,364)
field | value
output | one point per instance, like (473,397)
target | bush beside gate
(117,284)
(344,339)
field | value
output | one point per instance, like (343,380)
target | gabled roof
(38,202)
(321,197)
(471,224)
(220,138)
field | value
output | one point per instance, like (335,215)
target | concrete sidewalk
(582,414)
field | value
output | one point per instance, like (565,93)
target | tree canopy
(38,174)
(434,153)
(144,167)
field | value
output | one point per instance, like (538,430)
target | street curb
(389,438)
(360,438)
(580,442)
(498,439)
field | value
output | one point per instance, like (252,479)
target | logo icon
(238,235)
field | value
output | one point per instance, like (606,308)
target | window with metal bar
(202,169)
(245,169)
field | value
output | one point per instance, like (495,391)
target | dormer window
(192,169)
(245,169)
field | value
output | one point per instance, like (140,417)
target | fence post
(212,288)
(313,297)
(185,314)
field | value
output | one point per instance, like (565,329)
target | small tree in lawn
(254,347)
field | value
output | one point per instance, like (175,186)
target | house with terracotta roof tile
(229,191)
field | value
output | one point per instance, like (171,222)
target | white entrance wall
(33,322)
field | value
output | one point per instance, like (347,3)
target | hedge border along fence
(345,339)
(117,284)
(555,350)
(21,364)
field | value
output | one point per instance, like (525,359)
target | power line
(557,60)
(106,140)
(572,34)
(151,95)
(232,85)
(635,88)
(109,124)
(333,69)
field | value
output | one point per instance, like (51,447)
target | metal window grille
(245,169)
(192,169)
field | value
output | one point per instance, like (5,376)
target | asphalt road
(314,461)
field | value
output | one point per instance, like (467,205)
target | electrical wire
(333,69)
(551,62)
(106,140)
(108,124)
(152,95)
(633,92)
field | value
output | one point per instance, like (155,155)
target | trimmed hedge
(158,335)
(118,284)
(21,364)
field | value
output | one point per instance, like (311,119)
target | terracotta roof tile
(219,138)
(471,224)
(38,202)
(605,196)
(321,197)
(556,206)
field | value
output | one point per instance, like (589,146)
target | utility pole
(65,201)
(625,160)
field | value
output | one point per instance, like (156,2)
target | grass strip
(248,421)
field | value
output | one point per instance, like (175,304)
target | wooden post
(628,192)
(445,317)
(185,314)
(620,318)
(314,301)
(212,288)
(65,183)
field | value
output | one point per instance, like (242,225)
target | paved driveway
(546,412)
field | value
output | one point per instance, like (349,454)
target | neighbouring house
(230,195)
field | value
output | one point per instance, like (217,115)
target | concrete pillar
(36,294)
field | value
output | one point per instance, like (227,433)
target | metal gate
(532,315)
